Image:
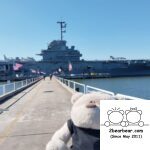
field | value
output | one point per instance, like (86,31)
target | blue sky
(98,28)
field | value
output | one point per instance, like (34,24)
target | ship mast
(62,28)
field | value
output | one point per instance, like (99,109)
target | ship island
(67,62)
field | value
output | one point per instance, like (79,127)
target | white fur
(88,117)
(56,145)
(59,139)
(75,97)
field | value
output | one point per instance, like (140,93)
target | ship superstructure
(57,51)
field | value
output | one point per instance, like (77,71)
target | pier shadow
(48,91)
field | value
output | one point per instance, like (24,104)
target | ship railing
(79,87)
(8,88)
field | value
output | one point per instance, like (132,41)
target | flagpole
(14,74)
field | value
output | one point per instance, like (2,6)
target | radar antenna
(62,28)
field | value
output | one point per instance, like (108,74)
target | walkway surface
(31,117)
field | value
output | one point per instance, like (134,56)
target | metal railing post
(26,81)
(14,86)
(4,89)
(68,83)
(84,89)
(74,86)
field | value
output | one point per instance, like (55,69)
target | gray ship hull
(97,69)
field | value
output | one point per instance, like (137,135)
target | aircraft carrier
(63,61)
(59,57)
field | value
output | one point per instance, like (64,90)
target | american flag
(17,66)
(70,66)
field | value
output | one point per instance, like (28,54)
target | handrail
(122,96)
(9,88)
(75,84)
(100,90)
(87,87)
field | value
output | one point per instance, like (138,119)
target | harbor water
(133,86)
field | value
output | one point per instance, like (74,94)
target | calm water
(133,86)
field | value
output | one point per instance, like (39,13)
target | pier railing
(79,87)
(6,89)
